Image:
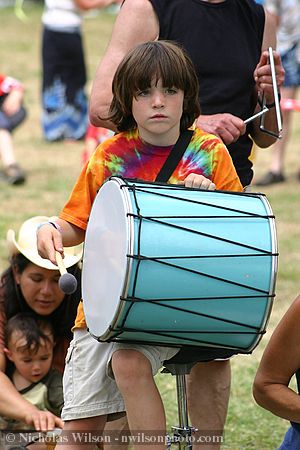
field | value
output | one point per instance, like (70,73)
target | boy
(29,346)
(155,98)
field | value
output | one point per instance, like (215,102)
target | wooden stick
(60,263)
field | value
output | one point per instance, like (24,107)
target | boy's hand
(49,240)
(198,181)
(43,420)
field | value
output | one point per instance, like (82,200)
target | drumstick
(67,282)
(260,113)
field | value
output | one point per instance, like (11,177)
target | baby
(29,343)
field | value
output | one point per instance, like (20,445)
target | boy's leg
(208,389)
(85,430)
(90,395)
(133,371)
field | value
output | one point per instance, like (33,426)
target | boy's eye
(142,93)
(171,91)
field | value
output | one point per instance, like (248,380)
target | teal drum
(168,265)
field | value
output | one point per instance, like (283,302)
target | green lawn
(53,168)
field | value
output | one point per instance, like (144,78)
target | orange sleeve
(78,207)
(224,174)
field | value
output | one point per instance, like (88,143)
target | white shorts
(89,387)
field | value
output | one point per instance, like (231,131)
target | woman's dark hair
(62,319)
(33,329)
(153,61)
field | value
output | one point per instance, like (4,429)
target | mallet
(67,282)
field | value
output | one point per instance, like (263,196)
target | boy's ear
(8,353)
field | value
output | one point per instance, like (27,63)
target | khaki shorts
(89,387)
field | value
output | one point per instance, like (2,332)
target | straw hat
(26,244)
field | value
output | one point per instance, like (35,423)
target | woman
(30,283)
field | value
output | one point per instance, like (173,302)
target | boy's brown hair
(148,61)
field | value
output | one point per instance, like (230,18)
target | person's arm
(228,127)
(13,405)
(263,78)
(13,101)
(280,361)
(51,239)
(136,23)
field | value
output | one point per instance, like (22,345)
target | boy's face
(33,366)
(157,112)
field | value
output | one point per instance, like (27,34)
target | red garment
(7,84)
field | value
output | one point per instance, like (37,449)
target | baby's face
(31,365)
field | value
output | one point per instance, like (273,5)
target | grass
(53,168)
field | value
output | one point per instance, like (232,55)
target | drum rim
(274,269)
(130,249)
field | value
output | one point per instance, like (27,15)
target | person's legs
(288,91)
(75,435)
(208,390)
(133,369)
(279,148)
(13,173)
(90,395)
(276,173)
(133,374)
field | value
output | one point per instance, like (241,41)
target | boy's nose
(36,366)
(158,100)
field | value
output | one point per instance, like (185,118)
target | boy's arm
(14,406)
(51,239)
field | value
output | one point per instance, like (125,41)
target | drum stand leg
(182,433)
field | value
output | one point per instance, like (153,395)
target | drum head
(104,260)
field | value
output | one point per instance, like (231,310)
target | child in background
(29,343)
(94,136)
(12,114)
(155,98)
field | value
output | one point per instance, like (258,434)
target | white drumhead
(105,268)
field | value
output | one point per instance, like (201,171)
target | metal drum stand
(183,432)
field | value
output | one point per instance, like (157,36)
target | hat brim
(71,258)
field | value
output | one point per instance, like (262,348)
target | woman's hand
(42,420)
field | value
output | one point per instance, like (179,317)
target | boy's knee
(129,366)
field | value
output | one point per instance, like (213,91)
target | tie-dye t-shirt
(128,156)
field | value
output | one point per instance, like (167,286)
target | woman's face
(40,289)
